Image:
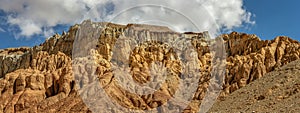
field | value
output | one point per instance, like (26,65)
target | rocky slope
(277,91)
(41,79)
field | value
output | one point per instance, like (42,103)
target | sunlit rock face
(49,77)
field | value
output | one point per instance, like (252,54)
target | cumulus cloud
(34,17)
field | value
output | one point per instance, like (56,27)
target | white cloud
(48,32)
(2,30)
(40,16)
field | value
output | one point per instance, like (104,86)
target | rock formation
(277,91)
(41,79)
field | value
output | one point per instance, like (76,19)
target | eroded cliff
(41,79)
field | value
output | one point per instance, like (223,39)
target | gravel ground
(278,91)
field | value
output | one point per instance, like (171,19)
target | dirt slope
(277,91)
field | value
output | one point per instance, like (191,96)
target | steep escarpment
(250,58)
(41,79)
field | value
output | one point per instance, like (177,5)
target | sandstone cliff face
(41,79)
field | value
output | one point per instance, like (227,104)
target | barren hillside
(41,79)
(277,91)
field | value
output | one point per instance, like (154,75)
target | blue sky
(272,18)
